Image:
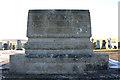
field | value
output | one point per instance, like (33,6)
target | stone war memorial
(58,43)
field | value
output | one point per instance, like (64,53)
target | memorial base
(58,63)
(110,74)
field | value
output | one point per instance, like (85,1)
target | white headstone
(19,46)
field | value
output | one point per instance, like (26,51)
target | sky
(14,13)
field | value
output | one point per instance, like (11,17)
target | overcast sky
(13,15)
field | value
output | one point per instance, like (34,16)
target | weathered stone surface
(63,51)
(79,65)
(59,30)
(59,23)
(58,44)
(111,74)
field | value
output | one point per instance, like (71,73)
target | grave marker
(58,43)
(97,44)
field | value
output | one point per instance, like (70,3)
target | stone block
(57,23)
(37,65)
(58,43)
(17,63)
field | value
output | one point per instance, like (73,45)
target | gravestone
(10,46)
(58,43)
(19,45)
(103,44)
(5,46)
(1,48)
(94,45)
(97,44)
(13,47)
(118,45)
(109,44)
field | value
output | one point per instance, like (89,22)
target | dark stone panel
(58,56)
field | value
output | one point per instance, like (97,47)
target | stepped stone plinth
(58,43)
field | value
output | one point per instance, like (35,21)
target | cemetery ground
(111,74)
(113,53)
